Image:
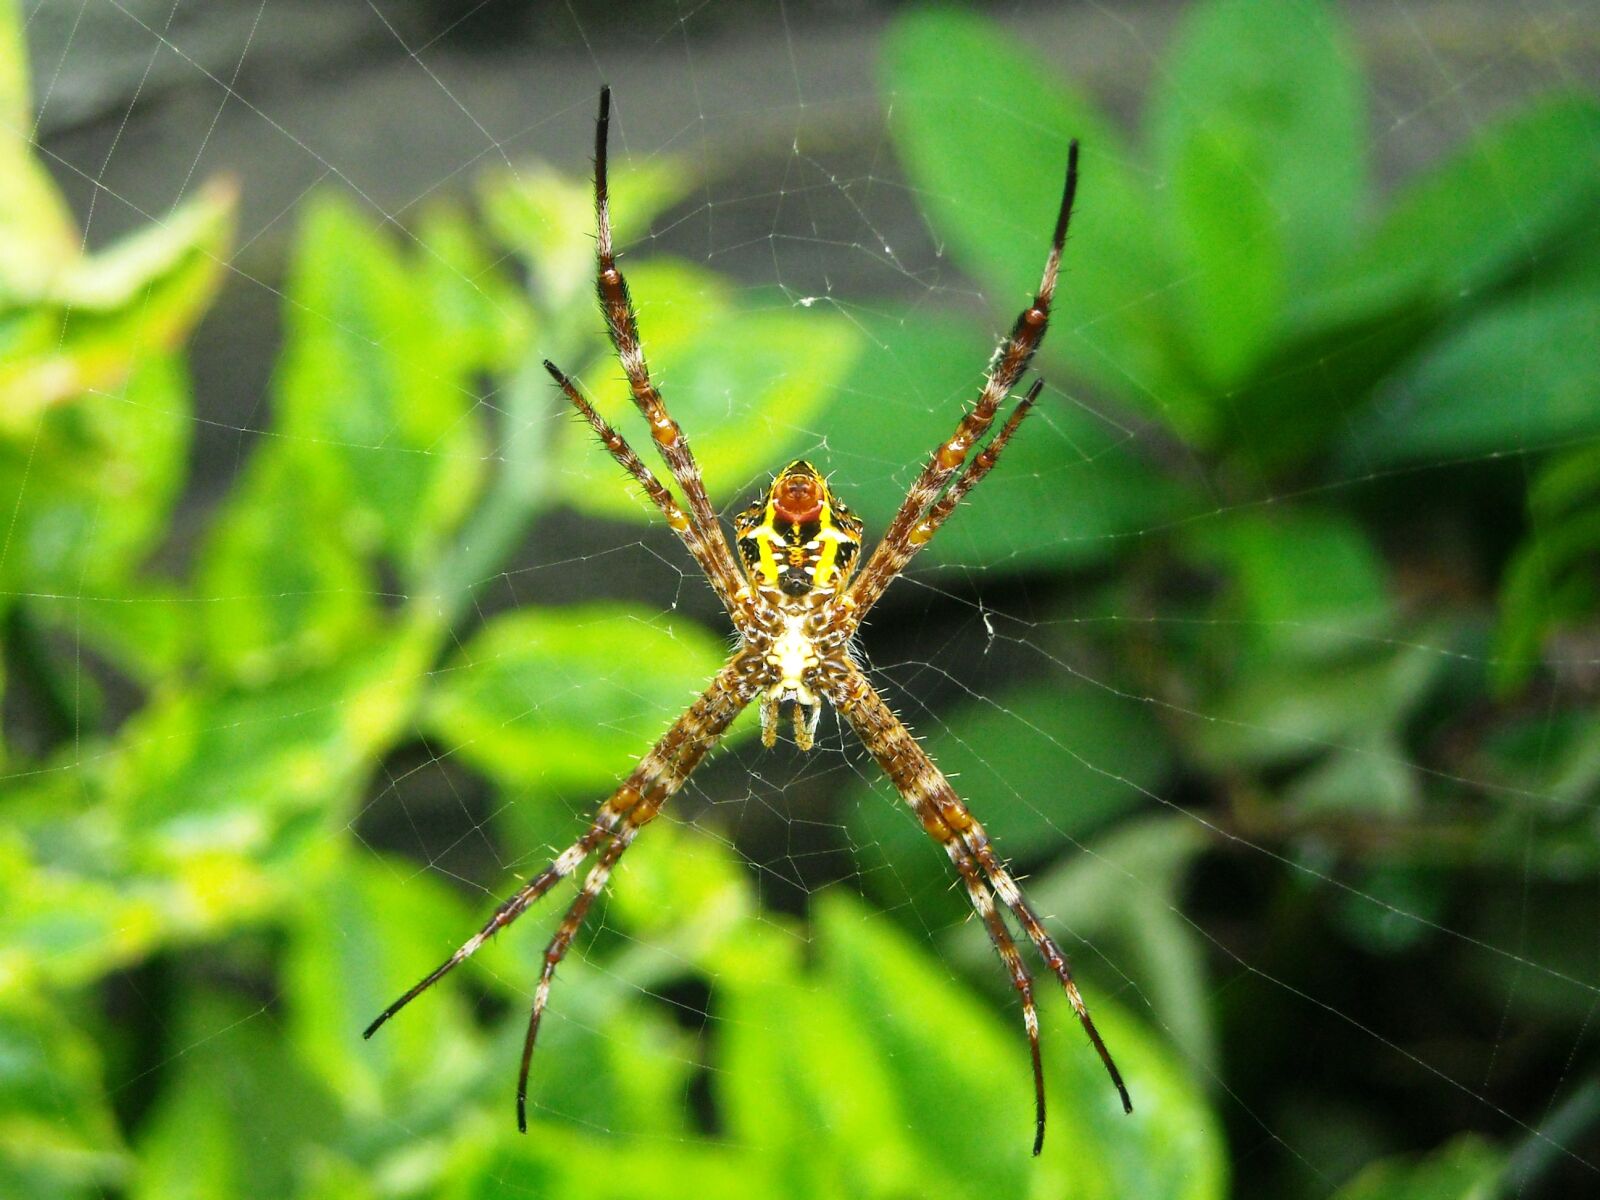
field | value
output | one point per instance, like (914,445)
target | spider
(796,602)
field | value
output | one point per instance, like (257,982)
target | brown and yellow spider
(796,609)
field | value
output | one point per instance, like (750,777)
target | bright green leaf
(481,316)
(144,626)
(373,393)
(1467,1169)
(1511,379)
(270,599)
(805,1086)
(37,236)
(203,772)
(554,1162)
(568,699)
(1168,1147)
(66,924)
(548,219)
(91,489)
(365,930)
(97,317)
(1487,212)
(982,129)
(1070,490)
(1258,125)
(57,1134)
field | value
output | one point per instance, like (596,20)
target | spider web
(801,203)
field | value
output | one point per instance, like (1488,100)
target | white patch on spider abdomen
(793,653)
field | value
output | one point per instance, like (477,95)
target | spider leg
(1005,369)
(593,884)
(769,721)
(805,724)
(1011,896)
(904,550)
(929,794)
(659,774)
(688,532)
(623,326)
(1000,936)
(564,864)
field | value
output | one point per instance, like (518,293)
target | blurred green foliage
(1372,694)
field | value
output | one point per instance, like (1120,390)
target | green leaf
(1517,204)
(144,626)
(679,881)
(1486,214)
(1306,583)
(568,699)
(1281,713)
(1314,380)
(803,1084)
(1369,780)
(548,220)
(848,1089)
(1506,381)
(364,930)
(747,386)
(372,391)
(90,490)
(1466,1169)
(16,106)
(224,769)
(1393,907)
(1140,928)
(95,318)
(65,926)
(561,1162)
(272,601)
(481,317)
(1070,491)
(1168,1146)
(237,1117)
(57,1134)
(1258,126)
(1550,582)
(37,236)
(982,129)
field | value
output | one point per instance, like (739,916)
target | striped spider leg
(790,595)
(639,799)
(943,483)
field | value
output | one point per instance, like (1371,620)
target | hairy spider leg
(593,884)
(983,903)
(623,326)
(922,533)
(942,814)
(659,774)
(1010,360)
(677,520)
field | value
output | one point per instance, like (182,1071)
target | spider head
(798,537)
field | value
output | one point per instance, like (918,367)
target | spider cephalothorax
(798,539)
(796,605)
